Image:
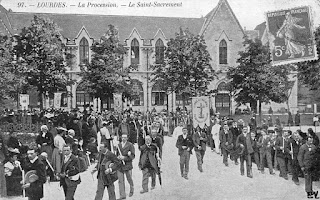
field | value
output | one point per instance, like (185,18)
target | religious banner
(57,100)
(24,101)
(290,35)
(201,111)
(117,102)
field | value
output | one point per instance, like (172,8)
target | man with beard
(295,144)
(225,137)
(34,190)
(148,163)
(107,167)
(126,154)
(305,157)
(244,142)
(184,145)
(235,131)
(199,141)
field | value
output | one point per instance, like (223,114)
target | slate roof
(96,25)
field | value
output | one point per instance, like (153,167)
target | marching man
(184,145)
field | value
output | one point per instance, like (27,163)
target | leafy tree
(186,68)
(105,74)
(255,79)
(42,50)
(12,73)
(309,71)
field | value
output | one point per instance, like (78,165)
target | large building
(145,38)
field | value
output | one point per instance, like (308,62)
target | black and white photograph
(159,99)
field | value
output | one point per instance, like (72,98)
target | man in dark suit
(156,139)
(184,144)
(235,133)
(148,163)
(126,153)
(244,142)
(305,157)
(199,141)
(295,144)
(282,148)
(107,167)
(264,145)
(69,176)
(225,137)
(34,190)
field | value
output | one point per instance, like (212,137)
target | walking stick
(120,154)
(23,181)
(291,150)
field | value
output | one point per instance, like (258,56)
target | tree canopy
(43,52)
(186,68)
(255,79)
(105,74)
(309,71)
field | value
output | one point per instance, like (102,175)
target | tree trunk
(260,113)
(41,99)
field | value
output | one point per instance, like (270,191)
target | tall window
(83,99)
(159,51)
(138,90)
(158,95)
(223,52)
(84,50)
(134,51)
(179,100)
(223,99)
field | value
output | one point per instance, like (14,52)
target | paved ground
(216,182)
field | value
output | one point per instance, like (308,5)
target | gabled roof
(5,25)
(96,25)
(261,28)
(212,14)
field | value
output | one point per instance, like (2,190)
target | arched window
(159,51)
(135,51)
(84,50)
(158,95)
(138,93)
(223,52)
(83,99)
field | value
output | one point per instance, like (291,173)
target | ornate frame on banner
(201,106)
(290,33)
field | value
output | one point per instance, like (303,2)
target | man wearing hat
(34,180)
(199,141)
(184,145)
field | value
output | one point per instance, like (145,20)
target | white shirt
(66,158)
(177,131)
(34,160)
(215,130)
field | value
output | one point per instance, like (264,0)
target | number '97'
(20,4)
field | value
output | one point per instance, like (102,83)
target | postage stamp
(290,35)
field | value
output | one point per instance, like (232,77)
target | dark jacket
(148,157)
(279,143)
(105,161)
(48,138)
(71,168)
(224,138)
(128,147)
(36,188)
(246,142)
(197,142)
(264,145)
(235,133)
(295,146)
(184,142)
(305,156)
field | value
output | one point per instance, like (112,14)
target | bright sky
(249,12)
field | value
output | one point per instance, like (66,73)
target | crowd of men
(64,149)
(294,153)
